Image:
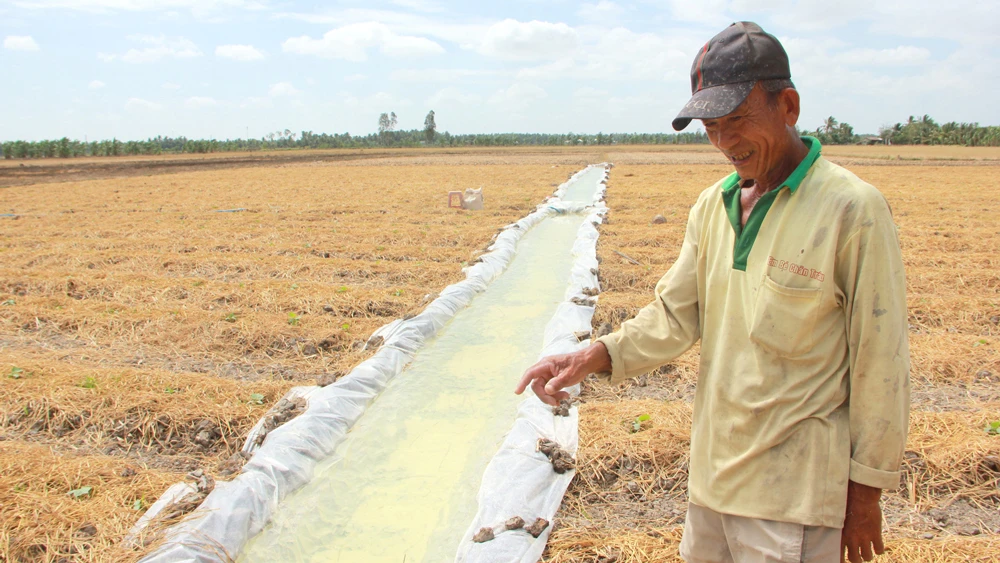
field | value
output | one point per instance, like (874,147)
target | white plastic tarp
(239,509)
(520,481)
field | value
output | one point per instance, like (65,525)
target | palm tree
(829,125)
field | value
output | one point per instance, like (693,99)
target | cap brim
(709,103)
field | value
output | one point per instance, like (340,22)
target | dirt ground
(17,172)
(152,309)
(148,321)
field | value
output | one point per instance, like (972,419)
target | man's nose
(728,138)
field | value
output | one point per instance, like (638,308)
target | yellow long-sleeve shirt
(804,375)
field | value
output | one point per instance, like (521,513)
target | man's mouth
(740,158)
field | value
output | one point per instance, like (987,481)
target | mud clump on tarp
(374,342)
(583,302)
(590,291)
(536,528)
(283,411)
(328,378)
(234,464)
(484,535)
(562,461)
(515,523)
(563,408)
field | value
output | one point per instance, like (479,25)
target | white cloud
(410,46)
(713,13)
(352,42)
(450,96)
(621,54)
(256,103)
(137,5)
(903,55)
(814,16)
(243,53)
(815,62)
(750,6)
(561,68)
(851,83)
(519,94)
(95,85)
(438,75)
(171,86)
(511,39)
(653,106)
(200,8)
(963,21)
(419,5)
(642,56)
(158,47)
(198,102)
(20,43)
(467,34)
(139,105)
(602,12)
(590,93)
(282,89)
(849,56)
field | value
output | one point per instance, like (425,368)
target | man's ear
(788,101)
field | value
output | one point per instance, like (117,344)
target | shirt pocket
(784,318)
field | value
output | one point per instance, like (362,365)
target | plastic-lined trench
(398,483)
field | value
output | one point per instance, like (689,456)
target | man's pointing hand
(551,375)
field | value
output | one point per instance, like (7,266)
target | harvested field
(143,332)
(627,502)
(16,172)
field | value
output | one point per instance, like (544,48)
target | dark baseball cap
(727,67)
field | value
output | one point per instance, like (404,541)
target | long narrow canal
(402,485)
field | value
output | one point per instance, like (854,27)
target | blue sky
(225,68)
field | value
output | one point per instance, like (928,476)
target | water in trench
(402,485)
(583,188)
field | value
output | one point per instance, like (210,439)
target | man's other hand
(551,375)
(862,535)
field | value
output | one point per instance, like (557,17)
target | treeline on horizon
(66,148)
(915,131)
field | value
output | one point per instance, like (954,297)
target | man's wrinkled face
(753,137)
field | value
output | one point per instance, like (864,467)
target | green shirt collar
(797,175)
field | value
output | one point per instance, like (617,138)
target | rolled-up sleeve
(877,334)
(668,326)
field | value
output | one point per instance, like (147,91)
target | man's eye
(736,118)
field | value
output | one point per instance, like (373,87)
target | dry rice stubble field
(628,499)
(142,332)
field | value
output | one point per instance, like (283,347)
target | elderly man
(790,274)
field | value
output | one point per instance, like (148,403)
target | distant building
(872,140)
